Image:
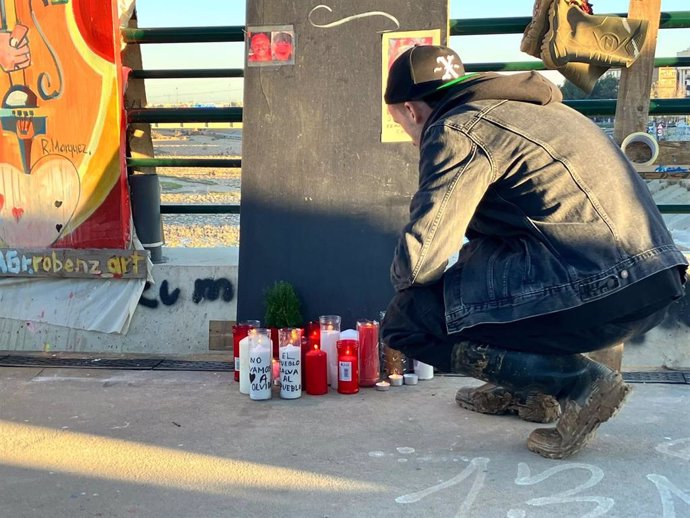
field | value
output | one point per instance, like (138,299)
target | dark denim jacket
(554,213)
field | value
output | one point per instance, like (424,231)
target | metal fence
(466,27)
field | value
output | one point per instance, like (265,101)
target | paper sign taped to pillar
(394,44)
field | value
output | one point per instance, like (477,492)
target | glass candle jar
(260,364)
(290,357)
(330,334)
(239,331)
(369,364)
(348,366)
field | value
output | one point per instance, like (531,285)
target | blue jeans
(415,323)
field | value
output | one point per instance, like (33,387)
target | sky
(490,48)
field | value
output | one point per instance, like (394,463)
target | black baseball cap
(421,71)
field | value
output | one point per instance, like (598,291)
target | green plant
(282,306)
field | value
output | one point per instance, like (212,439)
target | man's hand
(14,49)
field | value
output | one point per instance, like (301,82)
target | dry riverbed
(199,186)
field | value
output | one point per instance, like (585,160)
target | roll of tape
(647,140)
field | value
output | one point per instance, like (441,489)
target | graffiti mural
(63,180)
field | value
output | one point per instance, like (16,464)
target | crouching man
(565,252)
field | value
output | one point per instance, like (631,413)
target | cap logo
(448,68)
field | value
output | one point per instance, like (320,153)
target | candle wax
(317,373)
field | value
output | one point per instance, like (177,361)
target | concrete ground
(105,443)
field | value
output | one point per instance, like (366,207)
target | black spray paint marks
(209,289)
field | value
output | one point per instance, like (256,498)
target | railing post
(632,111)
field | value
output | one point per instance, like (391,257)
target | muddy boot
(490,399)
(582,415)
(582,75)
(592,393)
(574,35)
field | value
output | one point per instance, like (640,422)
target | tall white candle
(329,339)
(244,365)
(260,366)
(290,372)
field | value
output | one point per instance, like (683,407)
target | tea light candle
(410,379)
(382,386)
(396,379)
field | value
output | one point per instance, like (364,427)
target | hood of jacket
(528,87)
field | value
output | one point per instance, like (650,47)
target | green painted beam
(516,66)
(184,34)
(184,115)
(184,162)
(458,27)
(516,25)
(196,73)
(200,209)
(608,106)
(674,209)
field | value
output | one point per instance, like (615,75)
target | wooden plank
(73,263)
(220,335)
(632,110)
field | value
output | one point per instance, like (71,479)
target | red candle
(317,372)
(239,331)
(348,366)
(369,368)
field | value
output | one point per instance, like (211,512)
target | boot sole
(603,403)
(536,409)
(536,30)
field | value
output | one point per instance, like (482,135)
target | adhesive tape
(647,140)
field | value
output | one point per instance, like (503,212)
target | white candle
(244,365)
(260,349)
(290,372)
(328,345)
(382,385)
(410,379)
(396,379)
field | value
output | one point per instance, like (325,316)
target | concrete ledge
(176,323)
(192,288)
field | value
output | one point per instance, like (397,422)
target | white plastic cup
(423,370)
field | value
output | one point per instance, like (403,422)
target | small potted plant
(283,309)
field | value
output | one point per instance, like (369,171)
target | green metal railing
(465,27)
(516,25)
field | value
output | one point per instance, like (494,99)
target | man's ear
(417,110)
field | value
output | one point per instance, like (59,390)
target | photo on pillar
(270,45)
